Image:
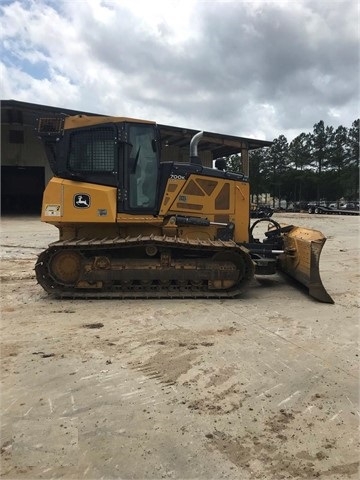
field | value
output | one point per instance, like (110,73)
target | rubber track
(135,291)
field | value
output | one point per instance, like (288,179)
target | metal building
(24,168)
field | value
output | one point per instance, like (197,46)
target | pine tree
(278,160)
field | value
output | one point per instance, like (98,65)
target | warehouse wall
(24,170)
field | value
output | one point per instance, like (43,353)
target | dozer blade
(302,247)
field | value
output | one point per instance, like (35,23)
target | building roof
(220,145)
(24,113)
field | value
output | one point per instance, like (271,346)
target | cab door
(141,170)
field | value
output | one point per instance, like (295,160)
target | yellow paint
(172,190)
(59,197)
(205,202)
(52,196)
(127,218)
(241,219)
(77,121)
(61,192)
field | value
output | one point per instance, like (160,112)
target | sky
(255,68)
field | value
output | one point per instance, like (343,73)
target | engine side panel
(66,201)
(217,199)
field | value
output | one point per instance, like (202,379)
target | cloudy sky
(251,68)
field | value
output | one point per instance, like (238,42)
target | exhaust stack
(194,157)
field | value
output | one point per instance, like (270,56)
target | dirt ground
(265,386)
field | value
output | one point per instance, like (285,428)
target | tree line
(319,166)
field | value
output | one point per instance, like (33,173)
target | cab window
(142,167)
(92,150)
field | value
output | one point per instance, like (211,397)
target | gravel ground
(264,386)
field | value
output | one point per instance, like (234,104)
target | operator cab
(125,155)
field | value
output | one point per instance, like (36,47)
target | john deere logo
(82,200)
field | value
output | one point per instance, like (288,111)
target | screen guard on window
(93,151)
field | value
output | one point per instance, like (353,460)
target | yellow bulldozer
(142,213)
